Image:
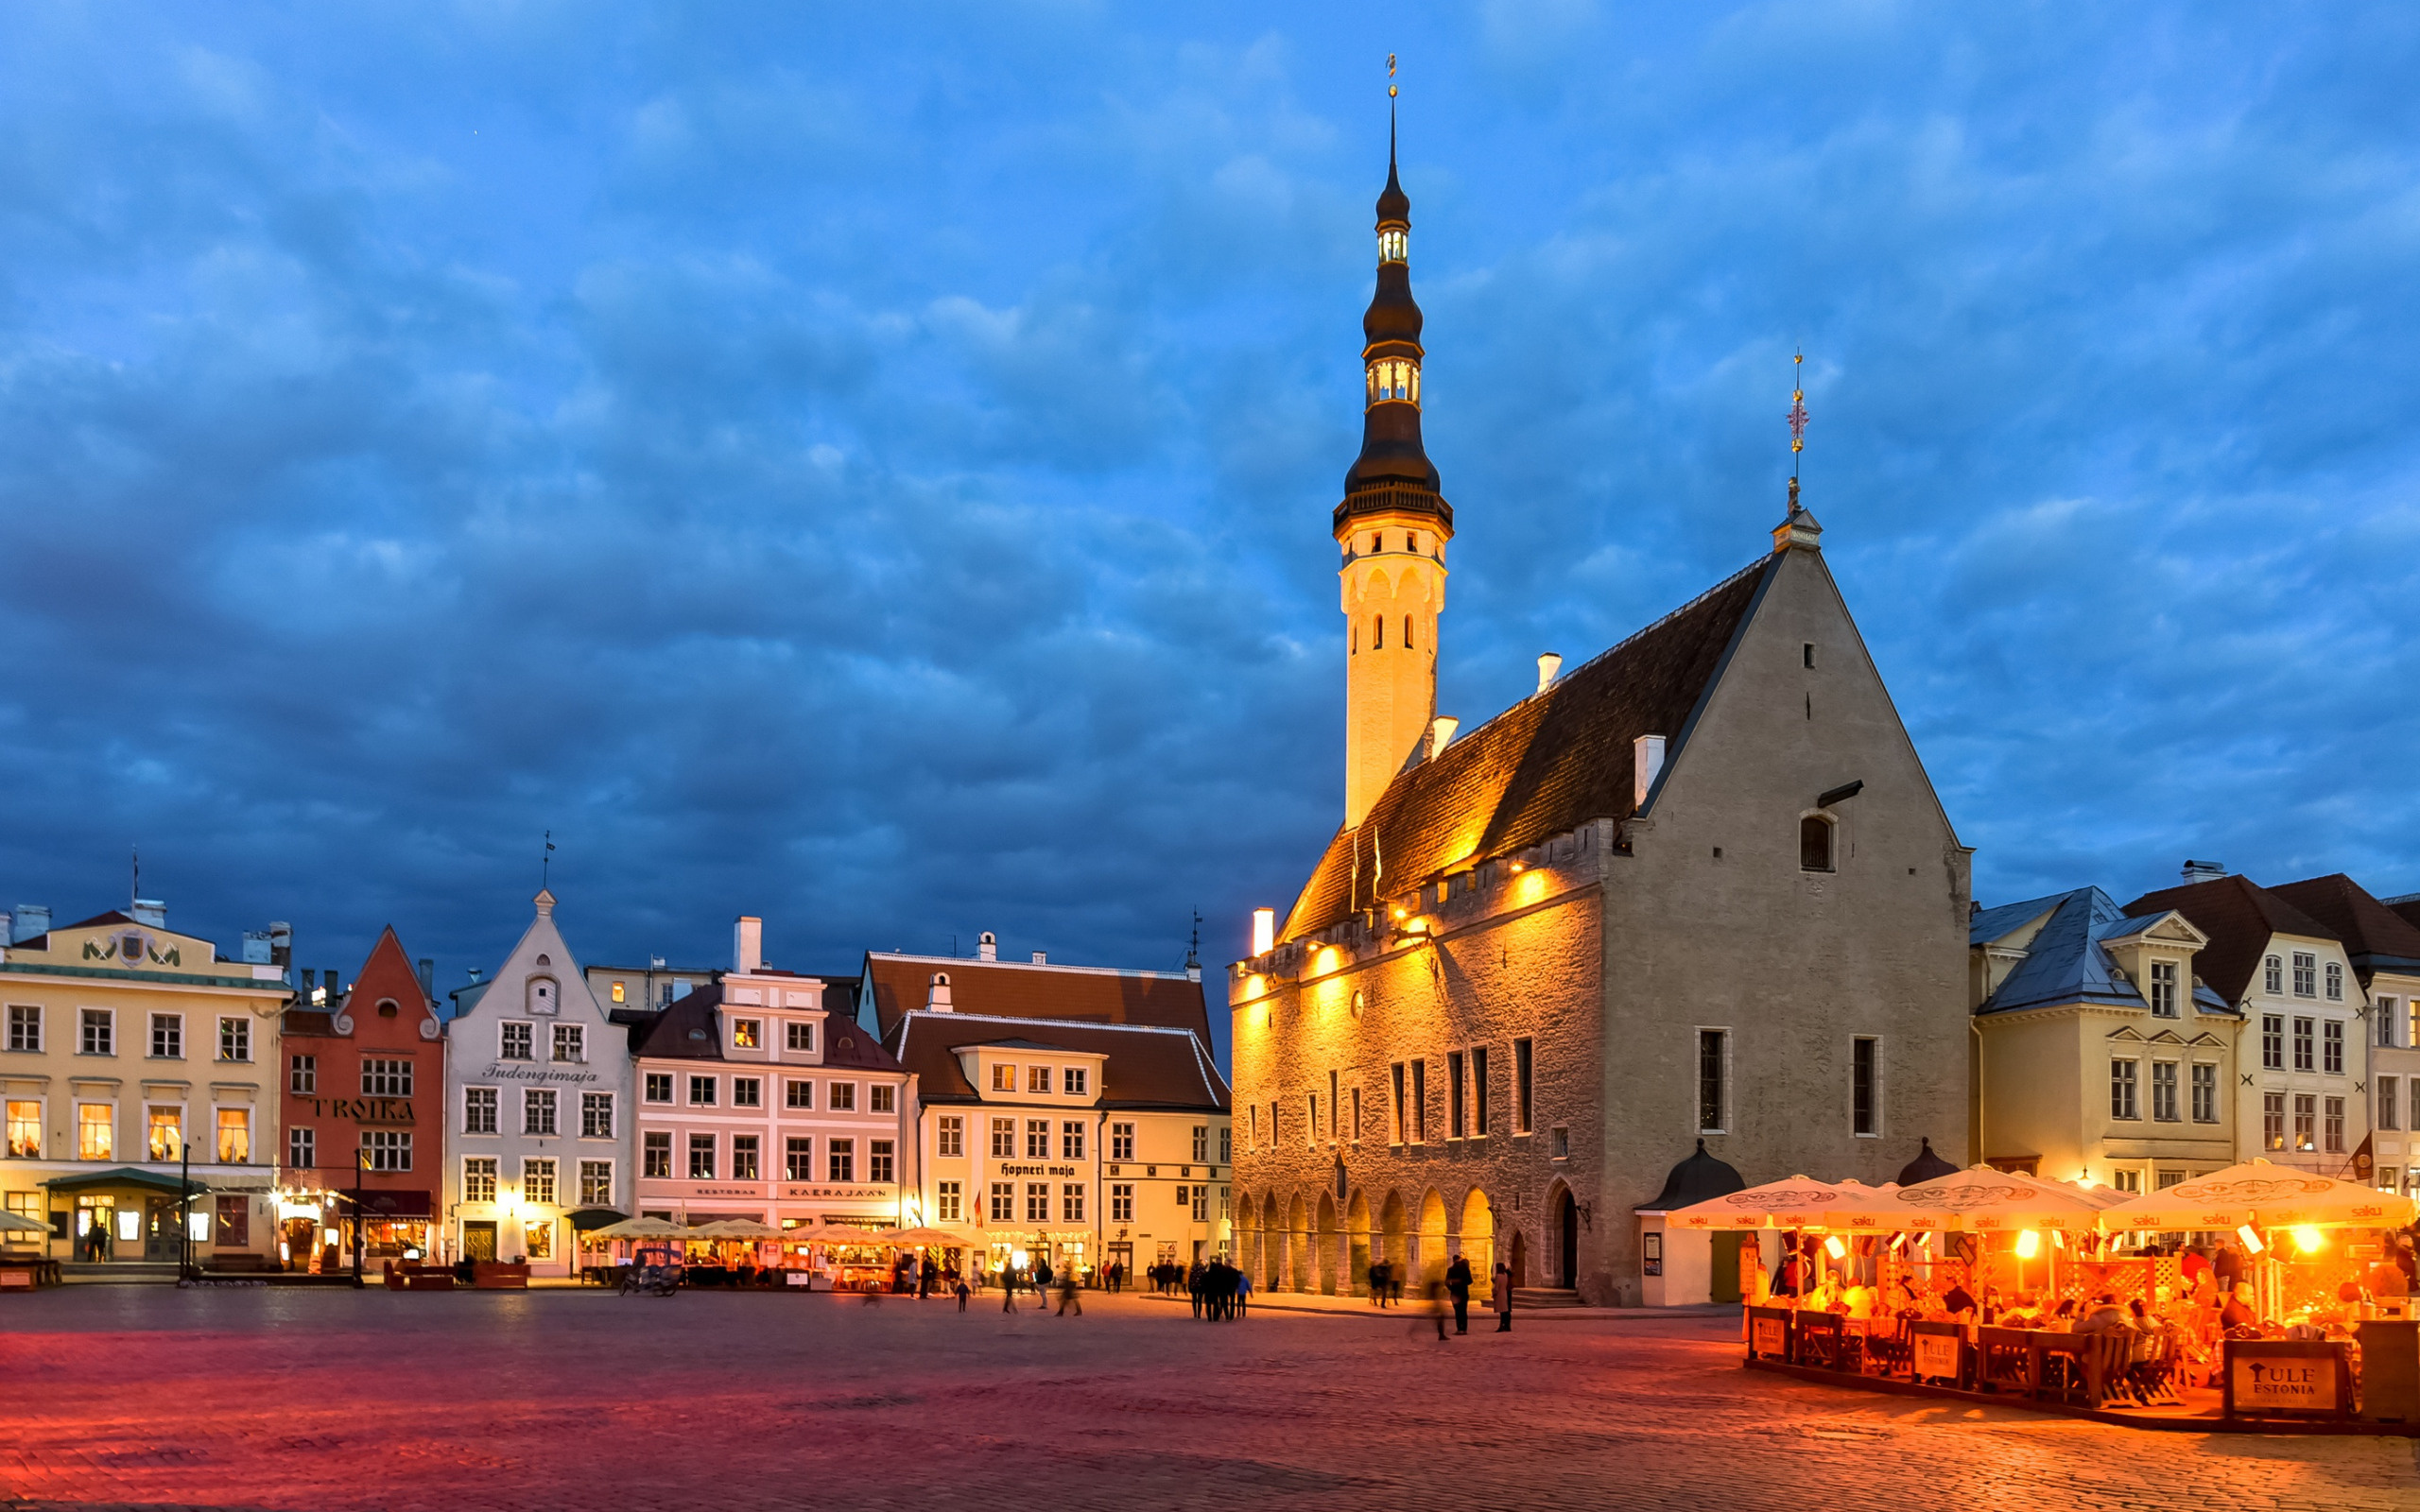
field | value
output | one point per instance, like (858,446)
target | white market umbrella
(1981,1200)
(734,1228)
(2264,1196)
(1798,1202)
(639,1228)
(12,1223)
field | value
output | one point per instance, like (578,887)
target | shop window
(234,1217)
(538,1238)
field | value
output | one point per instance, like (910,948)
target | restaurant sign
(1038,1170)
(364,1110)
(1769,1338)
(878,1193)
(1937,1355)
(2301,1386)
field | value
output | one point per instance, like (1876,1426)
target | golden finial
(1797,424)
(1391,74)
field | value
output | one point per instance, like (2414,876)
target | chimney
(328,980)
(1645,762)
(987,948)
(1550,668)
(1264,930)
(150,911)
(281,944)
(1042,958)
(256,947)
(427,978)
(2204,871)
(937,996)
(747,944)
(27,922)
(1441,733)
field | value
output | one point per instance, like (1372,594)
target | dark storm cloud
(875,473)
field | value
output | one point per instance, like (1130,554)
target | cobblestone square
(149,1396)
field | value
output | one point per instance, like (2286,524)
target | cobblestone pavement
(308,1399)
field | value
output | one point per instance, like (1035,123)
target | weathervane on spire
(1797,426)
(1390,75)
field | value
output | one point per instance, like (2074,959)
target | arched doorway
(1391,1237)
(1478,1243)
(1519,1259)
(1567,1239)
(1298,1259)
(1428,1264)
(1325,1260)
(1357,1241)
(1247,1231)
(1273,1246)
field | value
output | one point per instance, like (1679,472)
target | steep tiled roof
(687,1029)
(2406,907)
(2239,917)
(2374,935)
(1143,1067)
(1019,989)
(1544,767)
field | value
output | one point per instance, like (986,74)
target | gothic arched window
(1406,632)
(1378,633)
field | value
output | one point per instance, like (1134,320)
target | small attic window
(1806,654)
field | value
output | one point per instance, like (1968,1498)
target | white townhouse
(538,1083)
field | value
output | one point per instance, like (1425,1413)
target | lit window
(96,1131)
(25,1129)
(235,1136)
(655,1153)
(745,1033)
(1395,244)
(478,1179)
(167,1133)
(1004,1077)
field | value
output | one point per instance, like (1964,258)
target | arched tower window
(1378,633)
(1395,244)
(1815,837)
(1406,632)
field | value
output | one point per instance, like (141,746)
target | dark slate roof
(1020,990)
(1544,767)
(1699,1177)
(2405,906)
(1143,1067)
(2068,960)
(2239,917)
(2375,936)
(1925,1167)
(846,1042)
(687,1029)
(1989,925)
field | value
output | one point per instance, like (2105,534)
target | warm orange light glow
(2309,1240)
(1327,960)
(2028,1245)
(1530,888)
(1833,1247)
(1264,930)
(1399,913)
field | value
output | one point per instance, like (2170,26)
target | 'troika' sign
(364,1110)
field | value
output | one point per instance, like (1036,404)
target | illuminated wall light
(1264,930)
(2308,1240)
(1327,960)
(2251,1239)
(2028,1245)
(1833,1247)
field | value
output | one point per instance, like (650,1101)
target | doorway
(478,1241)
(1567,1229)
(1726,1287)
(160,1222)
(1519,1260)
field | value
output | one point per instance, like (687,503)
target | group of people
(1221,1292)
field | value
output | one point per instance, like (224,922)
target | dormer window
(2163,986)
(1395,378)
(1004,1077)
(1395,244)
(746,1034)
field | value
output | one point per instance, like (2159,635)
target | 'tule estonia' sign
(2284,1385)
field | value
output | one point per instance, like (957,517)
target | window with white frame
(840,1159)
(2206,1093)
(1004,1202)
(538,1111)
(1037,1139)
(745,1153)
(2164,990)
(2389,1024)
(2332,1047)
(596,1115)
(1121,1141)
(949,1199)
(2335,982)
(168,1037)
(235,1039)
(1004,1138)
(2272,976)
(949,1137)
(1071,1140)
(798,1094)
(2273,1121)
(99,1036)
(387,1149)
(1004,1077)
(747,1091)
(658,1088)
(1071,1202)
(1037,1202)
(1713,1070)
(571,1042)
(303,1074)
(2305,1041)
(841,1098)
(881,1156)
(798,1159)
(516,1040)
(478,1179)
(701,1157)
(1121,1202)
(2390,1102)
(24,1027)
(2306,1121)
(1076,1081)
(2164,1092)
(2122,1093)
(2306,974)
(701,1092)
(2332,1130)
(382,1078)
(655,1156)
(478,1110)
(1037,1078)
(301,1148)
(801,1037)
(882,1097)
(747,1034)
(595,1183)
(538,1181)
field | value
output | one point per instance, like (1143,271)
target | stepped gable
(1543,767)
(2239,916)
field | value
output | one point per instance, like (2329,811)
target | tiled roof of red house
(1143,1066)
(1544,767)
(2374,935)
(691,1030)
(1020,990)
(2239,916)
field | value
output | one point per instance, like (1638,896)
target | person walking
(1503,1297)
(962,1294)
(1067,1297)
(1008,1289)
(1435,1291)
(1457,1286)
(1243,1292)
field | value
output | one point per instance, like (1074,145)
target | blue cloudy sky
(870,466)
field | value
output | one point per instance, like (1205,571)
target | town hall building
(1697,888)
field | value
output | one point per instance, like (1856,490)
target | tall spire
(1394,472)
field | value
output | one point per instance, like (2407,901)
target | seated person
(2106,1316)
(2236,1312)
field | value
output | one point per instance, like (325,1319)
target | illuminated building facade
(1698,887)
(363,1135)
(761,1098)
(1074,1113)
(132,1052)
(538,1100)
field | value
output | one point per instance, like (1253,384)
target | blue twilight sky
(871,466)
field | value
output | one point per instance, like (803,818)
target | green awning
(125,1175)
(584,1219)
